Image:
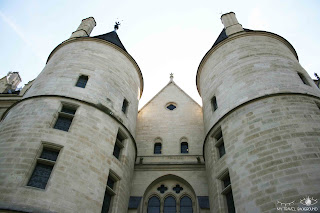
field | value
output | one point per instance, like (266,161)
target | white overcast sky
(162,36)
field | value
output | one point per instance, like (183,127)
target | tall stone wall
(272,153)
(247,66)
(156,121)
(86,160)
(112,76)
(269,120)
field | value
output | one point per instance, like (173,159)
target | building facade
(73,139)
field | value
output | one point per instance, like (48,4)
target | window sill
(226,190)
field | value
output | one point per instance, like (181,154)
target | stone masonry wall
(272,154)
(112,77)
(155,120)
(245,67)
(78,180)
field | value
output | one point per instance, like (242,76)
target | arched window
(185,205)
(157,148)
(154,205)
(169,205)
(184,147)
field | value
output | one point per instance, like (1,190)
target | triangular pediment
(169,96)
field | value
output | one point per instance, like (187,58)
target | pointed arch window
(154,205)
(186,205)
(184,147)
(169,205)
(157,148)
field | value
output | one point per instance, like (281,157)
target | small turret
(10,83)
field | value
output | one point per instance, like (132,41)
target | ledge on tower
(113,38)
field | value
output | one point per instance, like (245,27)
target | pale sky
(162,36)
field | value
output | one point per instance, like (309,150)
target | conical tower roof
(113,38)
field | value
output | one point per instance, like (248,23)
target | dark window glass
(171,107)
(220,143)
(82,81)
(303,79)
(230,203)
(125,106)
(154,205)
(221,149)
(116,151)
(106,202)
(218,135)
(120,137)
(41,172)
(184,147)
(226,181)
(110,182)
(162,189)
(63,123)
(157,148)
(40,176)
(185,205)
(49,154)
(214,103)
(68,110)
(177,188)
(118,145)
(169,205)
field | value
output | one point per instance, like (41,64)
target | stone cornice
(170,167)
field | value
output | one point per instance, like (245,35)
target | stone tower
(69,144)
(261,120)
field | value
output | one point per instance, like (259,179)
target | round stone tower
(69,144)
(262,122)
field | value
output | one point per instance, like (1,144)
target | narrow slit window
(82,81)
(65,118)
(125,105)
(227,192)
(109,193)
(43,168)
(214,103)
(219,144)
(119,144)
(303,79)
